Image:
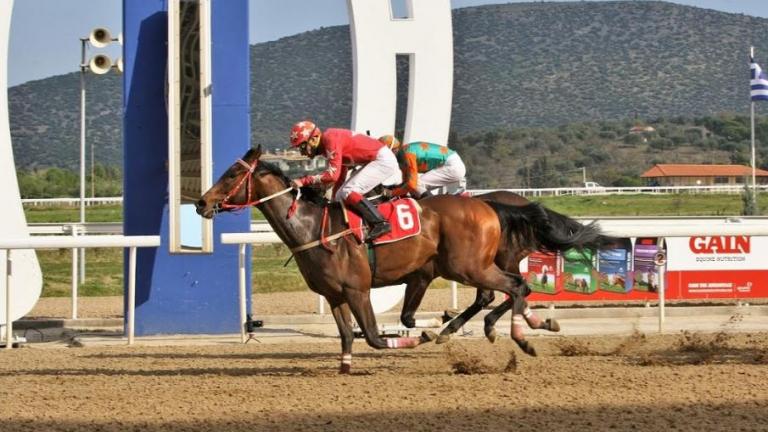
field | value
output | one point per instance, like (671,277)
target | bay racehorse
(459,240)
(540,229)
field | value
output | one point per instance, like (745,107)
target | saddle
(402,214)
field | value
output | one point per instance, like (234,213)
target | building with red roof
(702,175)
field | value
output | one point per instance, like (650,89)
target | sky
(45,34)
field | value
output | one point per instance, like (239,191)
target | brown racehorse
(459,240)
(517,242)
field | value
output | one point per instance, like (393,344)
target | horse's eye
(231,175)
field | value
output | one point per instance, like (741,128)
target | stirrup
(378,230)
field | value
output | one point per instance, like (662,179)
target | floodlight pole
(83,67)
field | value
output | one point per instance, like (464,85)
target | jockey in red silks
(344,148)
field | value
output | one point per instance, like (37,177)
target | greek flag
(758,83)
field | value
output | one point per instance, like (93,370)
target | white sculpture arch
(26,279)
(427,38)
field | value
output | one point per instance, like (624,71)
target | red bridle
(246,180)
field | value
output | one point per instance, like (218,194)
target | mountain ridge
(517,65)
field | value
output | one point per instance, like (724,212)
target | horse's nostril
(200,203)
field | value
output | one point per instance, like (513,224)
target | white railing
(262,233)
(87,228)
(681,227)
(58,242)
(601,190)
(722,189)
(115,228)
(35,202)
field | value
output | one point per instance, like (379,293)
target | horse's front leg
(360,304)
(341,314)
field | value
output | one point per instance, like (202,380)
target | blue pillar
(181,293)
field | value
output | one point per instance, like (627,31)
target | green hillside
(568,79)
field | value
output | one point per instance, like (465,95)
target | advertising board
(711,267)
(717,267)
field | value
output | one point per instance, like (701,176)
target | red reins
(249,201)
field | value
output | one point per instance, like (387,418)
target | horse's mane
(308,193)
(275,170)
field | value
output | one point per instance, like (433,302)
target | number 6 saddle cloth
(402,214)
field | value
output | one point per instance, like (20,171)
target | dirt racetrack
(676,382)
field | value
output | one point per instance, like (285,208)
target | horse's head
(241,185)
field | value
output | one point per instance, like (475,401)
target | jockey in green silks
(425,165)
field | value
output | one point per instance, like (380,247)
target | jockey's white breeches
(371,175)
(452,172)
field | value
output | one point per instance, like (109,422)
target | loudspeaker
(119,65)
(100,37)
(100,64)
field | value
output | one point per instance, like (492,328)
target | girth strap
(316,243)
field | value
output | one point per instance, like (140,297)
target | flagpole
(752,124)
(753,148)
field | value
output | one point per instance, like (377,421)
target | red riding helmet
(302,131)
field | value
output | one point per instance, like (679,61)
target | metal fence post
(660,259)
(8,320)
(454,295)
(131,293)
(241,288)
(75,280)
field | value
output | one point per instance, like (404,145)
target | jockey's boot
(377,225)
(426,194)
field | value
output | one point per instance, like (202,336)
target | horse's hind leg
(414,293)
(519,305)
(513,285)
(528,315)
(534,322)
(493,316)
(482,299)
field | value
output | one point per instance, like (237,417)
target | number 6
(404,216)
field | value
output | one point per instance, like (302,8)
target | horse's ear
(252,154)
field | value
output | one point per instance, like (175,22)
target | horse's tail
(547,230)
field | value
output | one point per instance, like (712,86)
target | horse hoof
(345,369)
(526,347)
(491,335)
(442,339)
(428,336)
(553,325)
(409,322)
